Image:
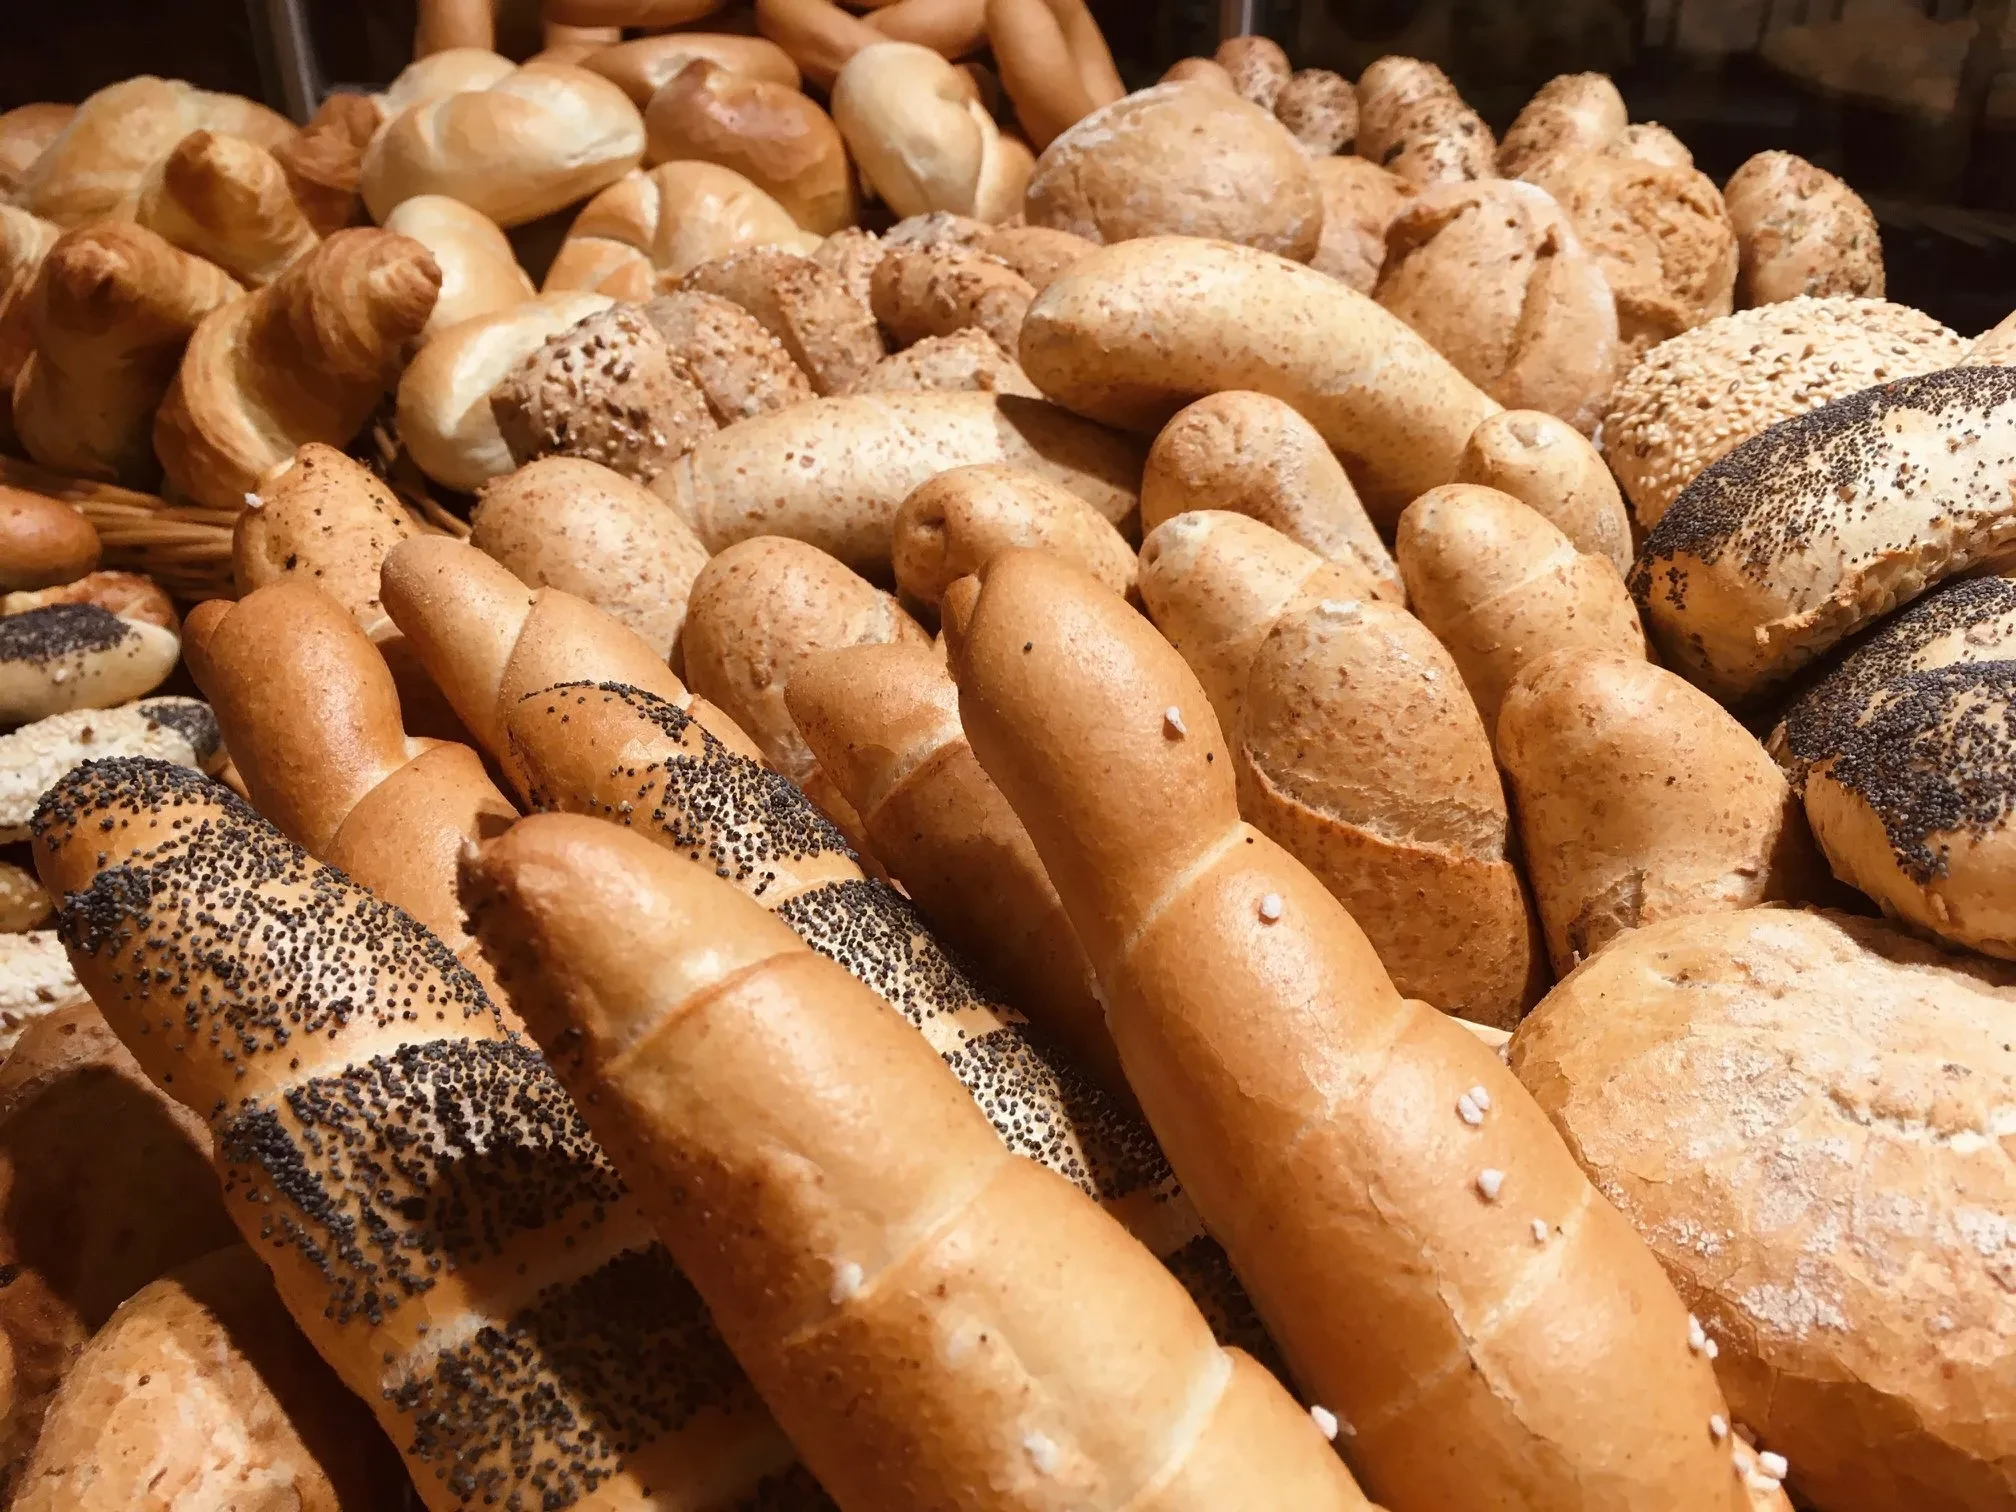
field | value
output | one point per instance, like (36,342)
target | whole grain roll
(1258,67)
(966,362)
(1494,276)
(1184,160)
(1569,115)
(1360,200)
(1038,253)
(741,368)
(1803,1115)
(1691,400)
(1320,110)
(825,330)
(1800,231)
(1650,142)
(1550,467)
(1803,535)
(850,256)
(1412,121)
(918,292)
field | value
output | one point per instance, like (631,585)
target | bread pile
(921,785)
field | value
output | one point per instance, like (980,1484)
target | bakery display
(845,773)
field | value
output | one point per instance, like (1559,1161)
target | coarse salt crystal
(1480,1097)
(253,501)
(1270,907)
(1326,1422)
(1773,1464)
(1173,718)
(1539,1231)
(846,1281)
(1490,1183)
(1042,1453)
(1711,1349)
(1697,1337)
(1718,1427)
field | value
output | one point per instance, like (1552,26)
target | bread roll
(1764,1094)
(1652,143)
(78,656)
(640,66)
(534,141)
(883,723)
(1198,71)
(1180,159)
(955,523)
(1258,67)
(921,140)
(1640,799)
(1570,115)
(575,525)
(1251,454)
(1693,399)
(1494,277)
(1502,588)
(307,358)
(321,515)
(951,27)
(227,200)
(443,406)
(1136,331)
(823,328)
(42,542)
(324,164)
(737,364)
(769,133)
(1923,461)
(850,255)
(111,310)
(920,292)
(24,241)
(1800,230)
(1550,467)
(1660,233)
(968,361)
(437,75)
(25,134)
(34,757)
(24,904)
(1038,253)
(1412,122)
(1215,583)
(608,388)
(834,472)
(818,35)
(35,981)
(130,595)
(1360,200)
(200,1391)
(93,169)
(973,1240)
(1320,110)
(1055,65)
(1414,1301)
(479,271)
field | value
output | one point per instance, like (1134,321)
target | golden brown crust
(1550,467)
(742,369)
(1412,122)
(1360,200)
(1258,67)
(953,524)
(227,200)
(640,66)
(1569,115)
(659,226)
(479,271)
(1320,110)
(25,134)
(129,595)
(325,163)
(920,137)
(1054,62)
(769,133)
(1198,71)
(24,241)
(42,542)
(329,520)
(1038,253)
(968,361)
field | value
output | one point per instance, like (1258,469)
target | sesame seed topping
(1490,1183)
(1172,720)
(1326,1422)
(1270,907)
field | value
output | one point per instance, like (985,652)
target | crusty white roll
(1135,331)
(25,134)
(920,139)
(639,66)
(535,141)
(436,75)
(1550,467)
(443,405)
(1800,1113)
(1800,231)
(771,134)
(1827,521)
(1180,160)
(479,271)
(78,656)
(833,472)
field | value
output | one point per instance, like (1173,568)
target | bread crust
(1360,200)
(1569,115)
(769,133)
(1412,122)
(42,542)
(1055,65)
(227,200)
(1800,231)
(1550,467)
(955,523)
(917,292)
(922,140)
(824,329)
(479,271)
(640,66)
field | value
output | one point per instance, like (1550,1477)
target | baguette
(1136,331)
(834,472)
(1391,1241)
(489,1289)
(883,722)
(935,1322)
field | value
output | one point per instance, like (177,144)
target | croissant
(227,200)
(326,161)
(111,311)
(303,359)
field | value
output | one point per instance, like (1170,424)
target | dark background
(1933,151)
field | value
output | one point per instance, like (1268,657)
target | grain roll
(1800,231)
(738,365)
(43,543)
(827,332)
(1550,467)
(1412,122)
(1571,114)
(966,362)
(1360,200)
(919,292)
(1257,66)
(1320,110)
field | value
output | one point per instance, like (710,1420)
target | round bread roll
(968,361)
(1360,200)
(640,67)
(1550,467)
(1412,121)
(938,228)
(936,291)
(1661,235)
(1640,799)
(1038,253)
(1180,159)
(571,524)
(823,328)
(479,271)
(1695,398)
(78,656)
(42,542)
(130,595)
(1496,279)
(1825,522)
(25,134)
(535,141)
(1198,71)
(201,1392)
(609,388)
(436,75)
(1802,1114)
(443,405)
(1800,230)
(962,519)
(1320,110)
(1650,142)
(34,757)
(769,133)
(742,369)
(920,138)
(1502,588)
(1254,455)
(23,903)
(1904,756)
(1570,114)
(1257,67)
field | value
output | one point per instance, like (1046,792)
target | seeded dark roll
(436,1215)
(618,753)
(1828,521)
